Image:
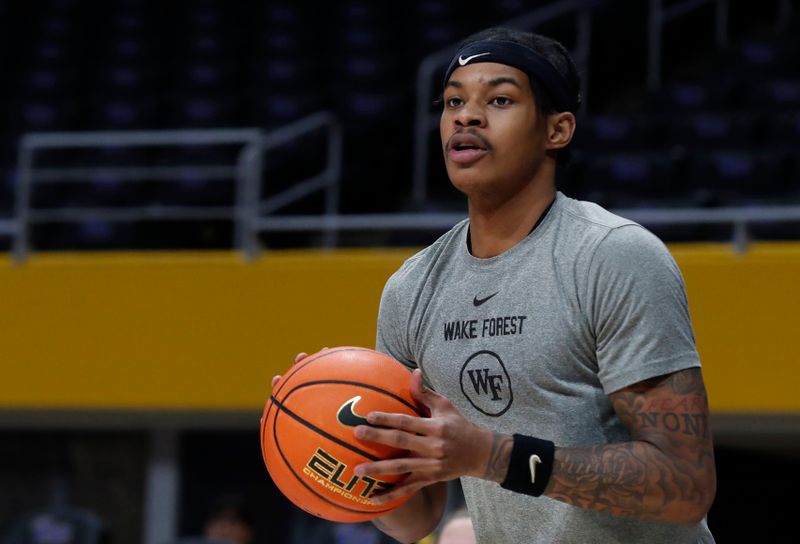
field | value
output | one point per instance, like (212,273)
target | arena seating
(725,137)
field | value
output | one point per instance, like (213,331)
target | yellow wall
(207,330)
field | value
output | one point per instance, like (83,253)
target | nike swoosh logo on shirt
(478,301)
(347,416)
(462,61)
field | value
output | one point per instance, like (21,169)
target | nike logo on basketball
(478,301)
(462,61)
(347,416)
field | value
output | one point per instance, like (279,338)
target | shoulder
(634,249)
(608,235)
(590,215)
(417,268)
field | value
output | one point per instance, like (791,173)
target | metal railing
(259,214)
(425,120)
(659,15)
(740,219)
(29,175)
(253,215)
(246,174)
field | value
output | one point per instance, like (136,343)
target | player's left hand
(297,358)
(441,447)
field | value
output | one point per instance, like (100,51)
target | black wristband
(530,466)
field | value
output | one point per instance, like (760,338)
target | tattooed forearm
(630,479)
(666,472)
(499,457)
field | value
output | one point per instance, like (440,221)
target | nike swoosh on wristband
(462,61)
(533,460)
(347,417)
(478,301)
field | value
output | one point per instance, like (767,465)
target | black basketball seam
(304,484)
(359,384)
(296,367)
(321,432)
(308,360)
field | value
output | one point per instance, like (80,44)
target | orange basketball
(307,431)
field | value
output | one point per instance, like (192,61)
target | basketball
(307,427)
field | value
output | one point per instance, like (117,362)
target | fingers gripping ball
(307,431)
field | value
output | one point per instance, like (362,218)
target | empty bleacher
(720,130)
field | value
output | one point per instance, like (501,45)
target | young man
(550,339)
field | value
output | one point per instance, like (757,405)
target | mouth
(466,148)
(466,155)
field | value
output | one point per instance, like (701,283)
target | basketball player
(550,339)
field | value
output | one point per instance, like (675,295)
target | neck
(497,225)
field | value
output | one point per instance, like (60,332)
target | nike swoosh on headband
(563,88)
(462,61)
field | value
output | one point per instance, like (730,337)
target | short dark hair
(553,51)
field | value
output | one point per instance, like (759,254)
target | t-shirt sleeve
(392,337)
(638,309)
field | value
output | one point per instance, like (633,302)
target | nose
(470,116)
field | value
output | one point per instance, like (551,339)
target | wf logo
(483,382)
(486,384)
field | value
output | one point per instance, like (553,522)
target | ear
(560,128)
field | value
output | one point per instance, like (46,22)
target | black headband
(522,58)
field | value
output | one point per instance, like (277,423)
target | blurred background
(191,192)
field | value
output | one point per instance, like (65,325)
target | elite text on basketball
(329,472)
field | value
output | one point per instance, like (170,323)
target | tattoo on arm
(666,472)
(499,457)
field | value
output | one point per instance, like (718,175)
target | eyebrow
(492,82)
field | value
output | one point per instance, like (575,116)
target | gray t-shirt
(533,340)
